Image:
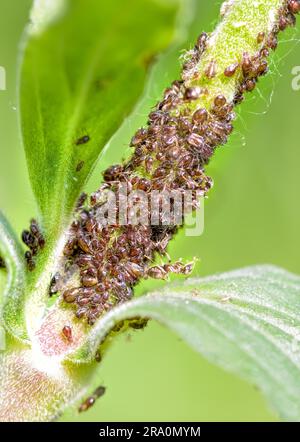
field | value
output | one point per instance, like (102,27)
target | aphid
(113,172)
(83,140)
(220,101)
(99,391)
(283,23)
(79,166)
(211,70)
(67,332)
(84,244)
(192,93)
(201,42)
(138,323)
(157,272)
(250,85)
(294,6)
(200,116)
(260,37)
(90,401)
(272,41)
(2,263)
(98,357)
(195,140)
(53,284)
(246,63)
(70,247)
(89,281)
(28,239)
(30,261)
(140,136)
(80,202)
(70,295)
(231,70)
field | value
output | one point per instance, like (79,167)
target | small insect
(220,101)
(192,93)
(30,261)
(2,263)
(231,70)
(83,140)
(67,333)
(261,37)
(211,70)
(79,166)
(98,357)
(272,42)
(113,172)
(53,284)
(70,295)
(250,85)
(201,42)
(294,6)
(200,116)
(80,202)
(157,272)
(90,401)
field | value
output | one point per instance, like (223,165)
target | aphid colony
(34,240)
(169,154)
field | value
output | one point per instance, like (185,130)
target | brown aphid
(231,70)
(283,23)
(80,202)
(70,295)
(294,6)
(195,140)
(260,37)
(211,69)
(157,272)
(250,85)
(70,247)
(2,263)
(200,116)
(82,140)
(67,333)
(89,281)
(246,63)
(220,101)
(113,173)
(201,42)
(140,135)
(79,166)
(87,404)
(192,93)
(272,42)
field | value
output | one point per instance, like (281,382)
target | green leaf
(246,321)
(13,314)
(82,71)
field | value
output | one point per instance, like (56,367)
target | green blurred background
(252,216)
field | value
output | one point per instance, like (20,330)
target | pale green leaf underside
(246,321)
(80,77)
(12,314)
